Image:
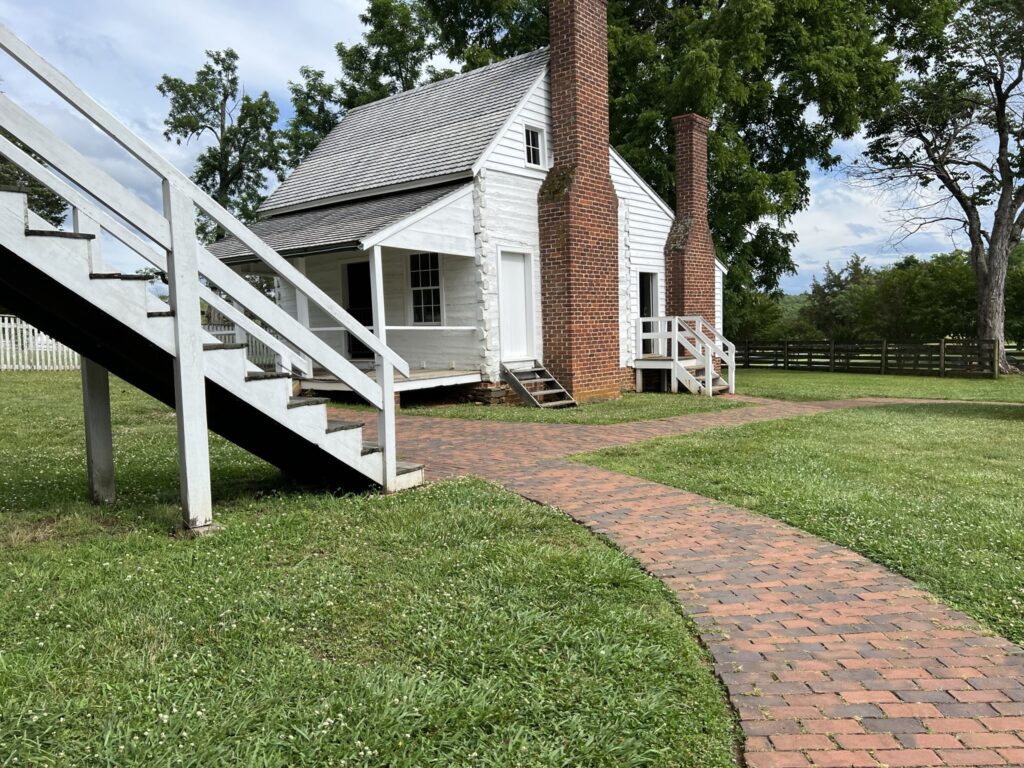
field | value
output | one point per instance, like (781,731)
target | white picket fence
(25,348)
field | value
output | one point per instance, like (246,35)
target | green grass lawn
(455,625)
(814,385)
(935,491)
(632,406)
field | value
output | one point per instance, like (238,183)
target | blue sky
(118,49)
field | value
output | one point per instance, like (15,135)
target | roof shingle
(433,131)
(336,226)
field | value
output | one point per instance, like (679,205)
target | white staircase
(689,350)
(58,281)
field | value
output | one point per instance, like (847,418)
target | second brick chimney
(578,209)
(690,251)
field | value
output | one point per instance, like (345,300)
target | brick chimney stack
(578,209)
(690,251)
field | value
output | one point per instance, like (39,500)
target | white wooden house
(444,181)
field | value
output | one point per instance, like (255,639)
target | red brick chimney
(689,251)
(578,209)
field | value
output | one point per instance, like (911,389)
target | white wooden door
(516,307)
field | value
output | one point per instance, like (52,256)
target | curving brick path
(829,659)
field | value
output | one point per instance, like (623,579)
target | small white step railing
(671,342)
(721,347)
(167,240)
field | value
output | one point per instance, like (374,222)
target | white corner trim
(721,267)
(639,180)
(482,160)
(390,231)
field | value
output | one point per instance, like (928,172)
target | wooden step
(335,425)
(59,233)
(118,276)
(369,448)
(556,391)
(266,375)
(302,402)
(221,347)
(558,404)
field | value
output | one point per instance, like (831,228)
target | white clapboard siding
(644,224)
(25,348)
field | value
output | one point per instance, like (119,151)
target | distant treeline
(913,299)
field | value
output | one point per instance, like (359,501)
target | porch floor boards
(418,379)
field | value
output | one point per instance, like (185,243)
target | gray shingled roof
(336,226)
(432,131)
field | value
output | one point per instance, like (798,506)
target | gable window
(534,147)
(425,283)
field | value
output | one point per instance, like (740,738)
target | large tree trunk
(991,288)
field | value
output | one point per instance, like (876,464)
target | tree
(392,57)
(315,111)
(841,305)
(781,80)
(955,138)
(246,145)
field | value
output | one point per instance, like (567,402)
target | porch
(428,302)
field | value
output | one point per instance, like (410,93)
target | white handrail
(701,341)
(726,350)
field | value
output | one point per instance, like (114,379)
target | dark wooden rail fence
(947,357)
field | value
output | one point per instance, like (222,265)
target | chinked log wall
(938,358)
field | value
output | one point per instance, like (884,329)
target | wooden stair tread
(537,382)
(302,402)
(336,425)
(59,233)
(221,347)
(266,375)
(118,276)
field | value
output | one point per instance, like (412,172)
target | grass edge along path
(926,490)
(820,385)
(456,624)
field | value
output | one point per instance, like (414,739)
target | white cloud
(118,50)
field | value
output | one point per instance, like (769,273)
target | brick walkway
(829,659)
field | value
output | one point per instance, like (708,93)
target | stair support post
(189,376)
(99,439)
(385,377)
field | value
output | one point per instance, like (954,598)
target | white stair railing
(660,340)
(720,346)
(167,240)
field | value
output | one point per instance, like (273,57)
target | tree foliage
(955,138)
(912,300)
(782,80)
(245,146)
(394,55)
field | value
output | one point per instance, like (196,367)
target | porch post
(385,376)
(189,376)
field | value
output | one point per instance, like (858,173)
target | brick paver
(828,658)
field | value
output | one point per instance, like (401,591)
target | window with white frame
(534,147)
(425,283)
